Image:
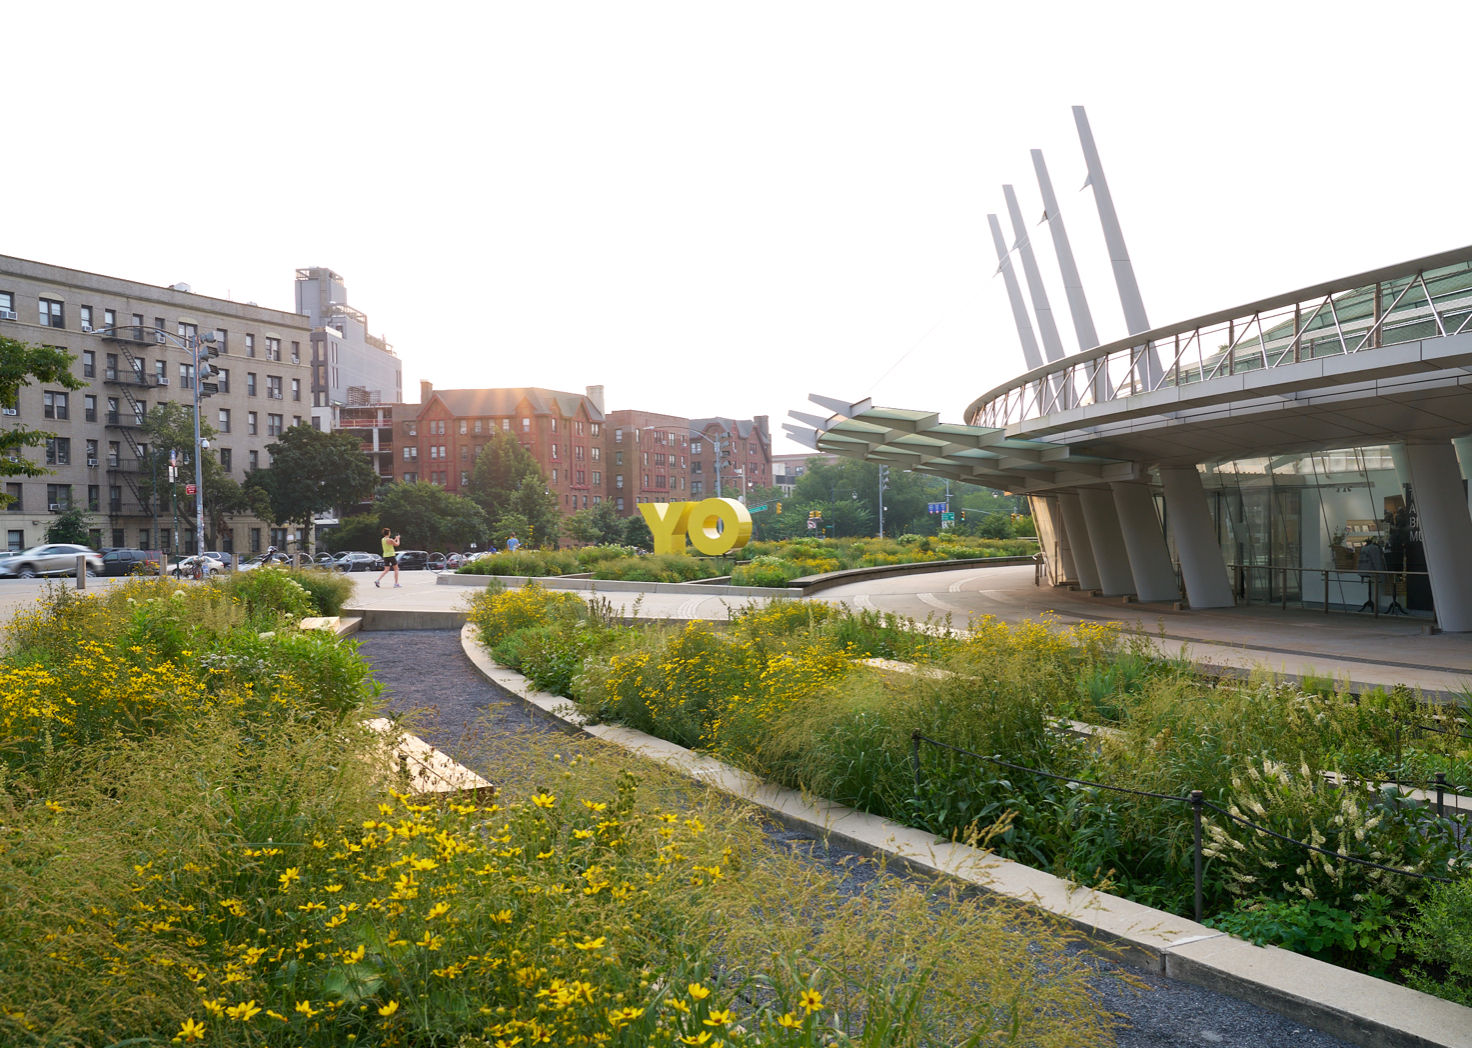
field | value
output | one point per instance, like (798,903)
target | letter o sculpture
(704,527)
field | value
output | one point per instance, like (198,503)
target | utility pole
(883,484)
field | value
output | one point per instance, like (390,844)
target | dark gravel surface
(425,671)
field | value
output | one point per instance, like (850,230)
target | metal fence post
(915,759)
(1196,801)
(1440,778)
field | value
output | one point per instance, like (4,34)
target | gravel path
(425,671)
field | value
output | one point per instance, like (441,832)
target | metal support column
(1446,530)
(1078,538)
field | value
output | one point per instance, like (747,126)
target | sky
(719,209)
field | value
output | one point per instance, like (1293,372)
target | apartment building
(351,367)
(129,342)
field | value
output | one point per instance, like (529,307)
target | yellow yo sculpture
(714,526)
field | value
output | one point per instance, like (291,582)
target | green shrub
(531,563)
(329,590)
(271,595)
(1365,938)
(499,612)
(765,571)
(1440,942)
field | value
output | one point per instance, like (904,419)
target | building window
(554,476)
(59,496)
(53,405)
(160,331)
(254,459)
(91,452)
(225,459)
(58,451)
(526,425)
(411,429)
(464,427)
(618,458)
(597,453)
(273,387)
(89,407)
(506,424)
(477,426)
(273,425)
(597,478)
(51,313)
(464,478)
(411,454)
(273,348)
(250,383)
(94,497)
(250,423)
(13,493)
(619,502)
(222,340)
(554,451)
(411,478)
(224,422)
(84,314)
(186,376)
(222,379)
(618,480)
(250,349)
(696,487)
(296,352)
(296,389)
(7,305)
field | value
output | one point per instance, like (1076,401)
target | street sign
(946,518)
(812,524)
(189,489)
(755,509)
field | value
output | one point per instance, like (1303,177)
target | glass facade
(1330,529)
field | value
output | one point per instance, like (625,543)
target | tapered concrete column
(1111,559)
(1463,448)
(1078,538)
(1446,530)
(1052,537)
(1202,566)
(1155,577)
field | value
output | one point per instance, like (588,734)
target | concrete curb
(569,582)
(1345,1004)
(810,584)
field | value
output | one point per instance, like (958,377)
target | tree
(312,472)
(358,532)
(505,481)
(596,525)
(170,427)
(70,525)
(20,364)
(830,484)
(434,518)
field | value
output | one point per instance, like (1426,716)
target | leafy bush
(329,590)
(1365,938)
(765,571)
(531,563)
(497,613)
(271,595)
(1440,941)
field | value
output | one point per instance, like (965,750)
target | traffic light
(963,516)
(779,507)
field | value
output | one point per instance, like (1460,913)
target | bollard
(1440,778)
(82,572)
(1196,801)
(915,759)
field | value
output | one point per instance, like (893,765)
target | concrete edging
(817,583)
(1357,1008)
(569,582)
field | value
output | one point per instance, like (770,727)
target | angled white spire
(1052,343)
(1030,352)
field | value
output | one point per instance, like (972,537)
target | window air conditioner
(86,327)
(163,380)
(92,463)
(55,507)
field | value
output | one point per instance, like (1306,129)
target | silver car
(54,558)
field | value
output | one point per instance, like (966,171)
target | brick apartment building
(627,457)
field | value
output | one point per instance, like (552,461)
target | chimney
(595,394)
(425,389)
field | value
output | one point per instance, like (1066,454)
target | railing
(1426,298)
(1378,583)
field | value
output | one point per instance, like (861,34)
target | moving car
(271,556)
(53,558)
(436,562)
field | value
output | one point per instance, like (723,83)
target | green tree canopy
(828,485)
(312,472)
(20,364)
(431,518)
(70,525)
(506,481)
(595,525)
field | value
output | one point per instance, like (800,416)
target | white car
(53,558)
(210,562)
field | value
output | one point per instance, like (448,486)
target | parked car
(453,561)
(271,556)
(436,562)
(53,558)
(117,562)
(357,560)
(210,563)
(413,559)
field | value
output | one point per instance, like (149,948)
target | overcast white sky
(719,209)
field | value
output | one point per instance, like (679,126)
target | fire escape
(126,415)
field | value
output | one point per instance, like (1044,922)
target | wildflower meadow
(201,843)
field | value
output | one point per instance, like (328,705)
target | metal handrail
(1365,311)
(1399,582)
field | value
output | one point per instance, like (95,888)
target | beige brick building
(128,341)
